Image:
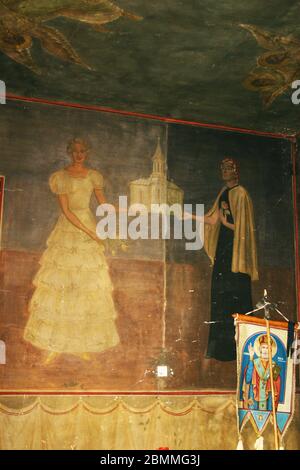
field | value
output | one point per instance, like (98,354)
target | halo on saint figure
(263,339)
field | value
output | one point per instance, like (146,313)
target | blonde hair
(75,141)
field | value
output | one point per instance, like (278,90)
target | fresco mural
(21,21)
(81,314)
(277,68)
(40,244)
(187,60)
(205,284)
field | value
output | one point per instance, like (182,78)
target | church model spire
(159,164)
(156,189)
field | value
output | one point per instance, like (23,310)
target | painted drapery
(135,422)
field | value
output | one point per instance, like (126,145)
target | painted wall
(161,291)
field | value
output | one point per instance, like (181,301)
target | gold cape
(244,256)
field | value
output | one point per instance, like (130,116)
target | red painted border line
(154,117)
(294,149)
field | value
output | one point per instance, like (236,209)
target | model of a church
(156,189)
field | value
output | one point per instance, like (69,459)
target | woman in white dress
(72,309)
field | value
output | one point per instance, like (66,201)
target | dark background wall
(194,156)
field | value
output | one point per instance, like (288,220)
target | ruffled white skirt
(72,308)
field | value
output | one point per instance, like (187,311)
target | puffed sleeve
(58,183)
(97,179)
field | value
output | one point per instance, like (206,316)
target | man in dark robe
(230,244)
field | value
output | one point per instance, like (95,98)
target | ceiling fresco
(277,68)
(229,63)
(21,21)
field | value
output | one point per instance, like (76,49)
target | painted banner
(254,390)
